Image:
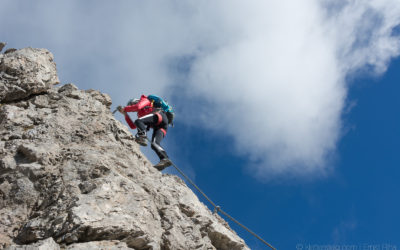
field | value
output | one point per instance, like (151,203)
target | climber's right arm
(129,121)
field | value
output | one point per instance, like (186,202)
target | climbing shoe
(163,164)
(141,139)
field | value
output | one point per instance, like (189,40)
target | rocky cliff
(72,177)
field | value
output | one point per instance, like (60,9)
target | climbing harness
(218,208)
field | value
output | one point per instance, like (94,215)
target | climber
(153,112)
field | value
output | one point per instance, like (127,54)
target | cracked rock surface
(72,177)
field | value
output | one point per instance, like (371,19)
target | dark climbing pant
(159,123)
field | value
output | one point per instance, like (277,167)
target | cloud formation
(271,74)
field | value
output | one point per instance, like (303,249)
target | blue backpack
(159,103)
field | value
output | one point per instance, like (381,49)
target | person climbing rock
(153,112)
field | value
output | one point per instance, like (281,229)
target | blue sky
(287,115)
(358,204)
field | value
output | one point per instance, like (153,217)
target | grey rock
(7,164)
(10,50)
(71,172)
(2,45)
(99,245)
(47,244)
(26,72)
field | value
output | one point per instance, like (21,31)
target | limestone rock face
(2,45)
(26,72)
(71,175)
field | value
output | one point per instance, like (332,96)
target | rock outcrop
(72,177)
(26,72)
(2,45)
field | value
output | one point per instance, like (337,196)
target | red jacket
(143,107)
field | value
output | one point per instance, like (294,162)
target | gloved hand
(121,110)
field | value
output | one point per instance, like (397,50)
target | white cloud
(362,33)
(278,88)
(271,74)
(282,86)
